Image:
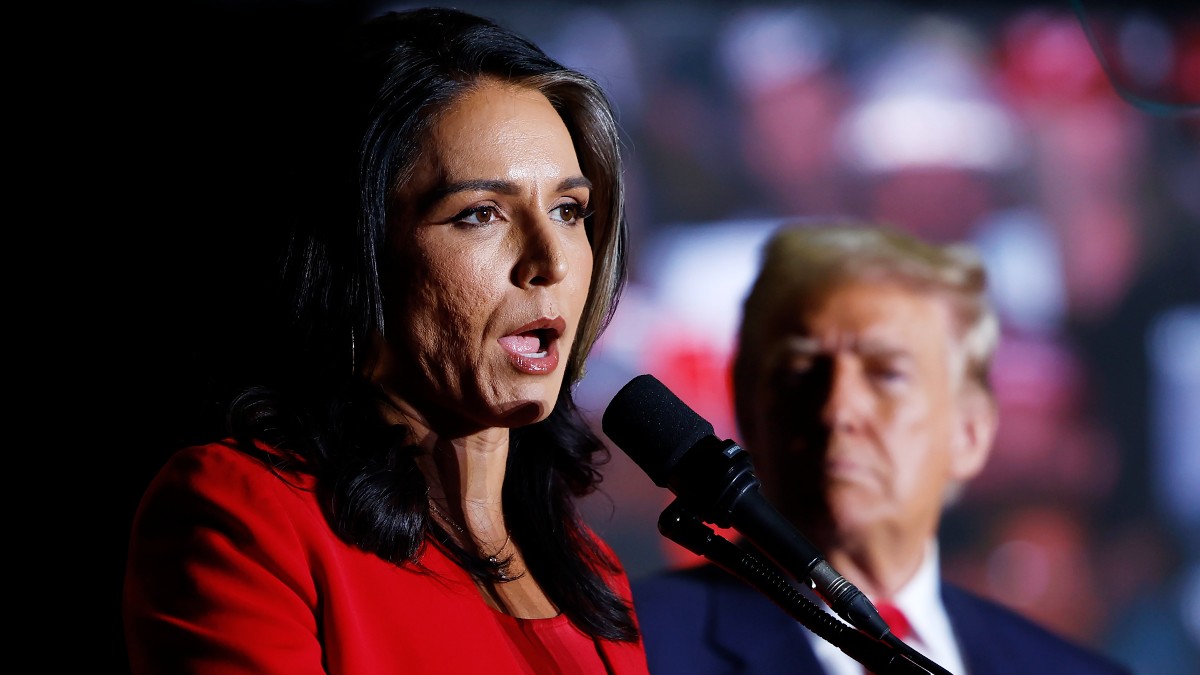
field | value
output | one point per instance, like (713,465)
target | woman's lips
(533,348)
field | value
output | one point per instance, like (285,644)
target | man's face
(858,410)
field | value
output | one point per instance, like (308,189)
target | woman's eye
(569,213)
(478,215)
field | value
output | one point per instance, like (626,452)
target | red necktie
(895,619)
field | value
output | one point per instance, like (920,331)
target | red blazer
(233,570)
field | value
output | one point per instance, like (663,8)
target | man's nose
(845,397)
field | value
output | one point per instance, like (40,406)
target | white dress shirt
(921,602)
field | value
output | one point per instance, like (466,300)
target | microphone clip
(712,478)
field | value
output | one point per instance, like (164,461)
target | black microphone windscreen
(653,426)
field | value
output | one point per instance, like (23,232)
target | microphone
(714,479)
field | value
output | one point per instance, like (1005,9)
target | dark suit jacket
(705,621)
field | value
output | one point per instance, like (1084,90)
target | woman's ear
(376,360)
(978,419)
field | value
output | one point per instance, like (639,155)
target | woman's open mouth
(533,348)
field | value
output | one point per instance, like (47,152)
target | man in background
(862,393)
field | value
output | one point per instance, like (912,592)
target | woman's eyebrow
(574,182)
(435,195)
(504,187)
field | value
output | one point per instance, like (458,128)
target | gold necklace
(494,559)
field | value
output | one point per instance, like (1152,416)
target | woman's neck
(467,472)
(465,475)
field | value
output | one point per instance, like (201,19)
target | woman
(400,498)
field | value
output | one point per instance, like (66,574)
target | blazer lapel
(756,632)
(982,654)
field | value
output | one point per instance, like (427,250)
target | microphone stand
(883,658)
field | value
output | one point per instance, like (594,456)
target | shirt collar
(921,601)
(921,598)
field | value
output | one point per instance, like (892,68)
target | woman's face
(489,265)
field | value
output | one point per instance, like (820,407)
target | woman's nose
(542,258)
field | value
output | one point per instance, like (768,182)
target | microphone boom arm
(715,480)
(685,529)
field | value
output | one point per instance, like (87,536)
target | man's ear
(978,419)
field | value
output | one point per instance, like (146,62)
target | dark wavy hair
(369,102)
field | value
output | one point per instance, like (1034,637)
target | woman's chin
(530,404)
(523,413)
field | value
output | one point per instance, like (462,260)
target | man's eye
(800,365)
(794,375)
(886,373)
